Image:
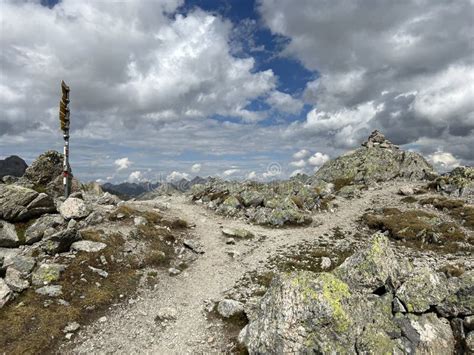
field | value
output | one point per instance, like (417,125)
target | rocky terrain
(372,254)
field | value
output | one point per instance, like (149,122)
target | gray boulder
(8,235)
(74,208)
(237,233)
(45,168)
(19,203)
(13,166)
(5,293)
(88,246)
(433,335)
(22,263)
(60,241)
(50,290)
(460,299)
(14,279)
(42,226)
(228,308)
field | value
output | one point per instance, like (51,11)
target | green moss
(334,291)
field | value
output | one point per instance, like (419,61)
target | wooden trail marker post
(64,121)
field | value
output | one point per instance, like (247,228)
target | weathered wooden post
(64,120)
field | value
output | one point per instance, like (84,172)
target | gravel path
(131,328)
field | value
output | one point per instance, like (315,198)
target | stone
(74,208)
(88,246)
(100,272)
(166,314)
(398,306)
(457,183)
(425,288)
(45,168)
(469,341)
(434,334)
(371,268)
(193,245)
(8,235)
(102,319)
(406,191)
(61,241)
(228,308)
(237,233)
(469,322)
(139,221)
(173,271)
(230,206)
(71,327)
(14,279)
(12,166)
(325,263)
(23,264)
(72,224)
(47,273)
(36,231)
(50,290)
(460,299)
(5,293)
(18,203)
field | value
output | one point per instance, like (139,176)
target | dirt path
(132,328)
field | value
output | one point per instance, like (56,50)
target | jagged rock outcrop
(12,166)
(372,303)
(47,167)
(378,160)
(19,203)
(458,183)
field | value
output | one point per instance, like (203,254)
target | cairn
(377,139)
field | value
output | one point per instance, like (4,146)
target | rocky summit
(371,254)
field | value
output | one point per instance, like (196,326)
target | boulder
(47,273)
(19,203)
(50,290)
(5,293)
(425,288)
(434,335)
(373,267)
(22,263)
(42,226)
(230,206)
(14,279)
(88,246)
(47,167)
(8,235)
(237,233)
(12,166)
(458,183)
(460,300)
(61,241)
(228,308)
(74,208)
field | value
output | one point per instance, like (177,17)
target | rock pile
(458,183)
(372,303)
(377,139)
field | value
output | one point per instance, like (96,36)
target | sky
(247,89)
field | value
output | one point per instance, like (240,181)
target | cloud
(122,163)
(176,176)
(135,177)
(298,164)
(196,168)
(230,172)
(381,67)
(443,161)
(301,154)
(252,175)
(284,102)
(318,159)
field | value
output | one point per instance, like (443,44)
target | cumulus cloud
(230,172)
(318,159)
(135,176)
(443,161)
(196,168)
(301,154)
(299,163)
(122,163)
(381,66)
(284,102)
(176,176)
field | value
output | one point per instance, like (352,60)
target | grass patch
(417,228)
(455,208)
(341,182)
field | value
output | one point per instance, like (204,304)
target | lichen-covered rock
(61,241)
(425,288)
(47,273)
(459,182)
(8,236)
(74,208)
(50,290)
(460,298)
(19,203)
(5,293)
(372,267)
(45,168)
(230,206)
(37,230)
(435,335)
(22,263)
